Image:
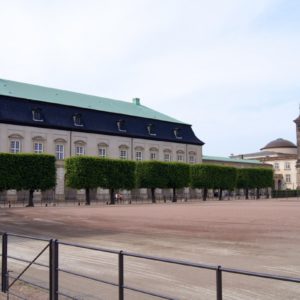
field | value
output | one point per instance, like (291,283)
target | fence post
(53,270)
(121,275)
(219,283)
(4,273)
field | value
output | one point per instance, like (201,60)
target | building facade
(35,119)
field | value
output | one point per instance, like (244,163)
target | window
(152,155)
(276,166)
(37,115)
(288,178)
(121,125)
(287,165)
(79,150)
(77,120)
(102,152)
(192,159)
(151,129)
(38,148)
(167,157)
(15,146)
(177,133)
(179,157)
(123,154)
(60,151)
(138,155)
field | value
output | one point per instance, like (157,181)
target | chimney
(136,101)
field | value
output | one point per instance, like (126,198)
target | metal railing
(54,270)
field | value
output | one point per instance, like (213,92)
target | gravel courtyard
(256,235)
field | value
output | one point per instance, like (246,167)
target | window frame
(40,150)
(14,149)
(59,155)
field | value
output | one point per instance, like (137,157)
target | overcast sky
(231,68)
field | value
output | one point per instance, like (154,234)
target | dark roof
(279,143)
(19,111)
(297,121)
(56,96)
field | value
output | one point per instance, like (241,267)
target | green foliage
(85,172)
(27,171)
(92,172)
(151,174)
(177,175)
(213,176)
(255,178)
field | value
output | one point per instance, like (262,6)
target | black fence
(54,270)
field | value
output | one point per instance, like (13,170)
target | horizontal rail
(161,296)
(27,261)
(89,247)
(87,277)
(30,283)
(261,275)
(171,261)
(29,237)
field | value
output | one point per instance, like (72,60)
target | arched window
(102,150)
(151,129)
(123,151)
(153,153)
(37,115)
(77,120)
(177,133)
(121,125)
(15,143)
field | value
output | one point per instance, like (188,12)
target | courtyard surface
(255,235)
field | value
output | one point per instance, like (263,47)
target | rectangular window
(287,165)
(276,166)
(138,155)
(123,154)
(102,152)
(179,157)
(79,150)
(38,148)
(192,159)
(152,156)
(288,178)
(167,157)
(15,146)
(60,151)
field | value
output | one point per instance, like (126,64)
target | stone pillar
(60,181)
(297,121)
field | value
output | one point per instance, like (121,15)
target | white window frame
(288,178)
(15,146)
(38,147)
(192,158)
(276,166)
(102,152)
(180,157)
(123,154)
(138,155)
(60,151)
(153,155)
(167,156)
(79,150)
(287,165)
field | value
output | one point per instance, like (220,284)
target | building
(282,155)
(45,120)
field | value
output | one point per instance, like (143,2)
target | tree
(27,172)
(85,172)
(250,178)
(151,175)
(206,176)
(177,176)
(118,174)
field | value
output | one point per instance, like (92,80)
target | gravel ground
(256,235)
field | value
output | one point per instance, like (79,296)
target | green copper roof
(51,95)
(226,159)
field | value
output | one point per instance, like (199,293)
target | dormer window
(151,129)
(37,115)
(77,120)
(121,125)
(177,133)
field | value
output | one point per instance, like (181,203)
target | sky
(230,68)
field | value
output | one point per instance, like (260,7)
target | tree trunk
(112,196)
(247,193)
(87,197)
(153,195)
(220,194)
(204,194)
(174,195)
(30,200)
(257,193)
